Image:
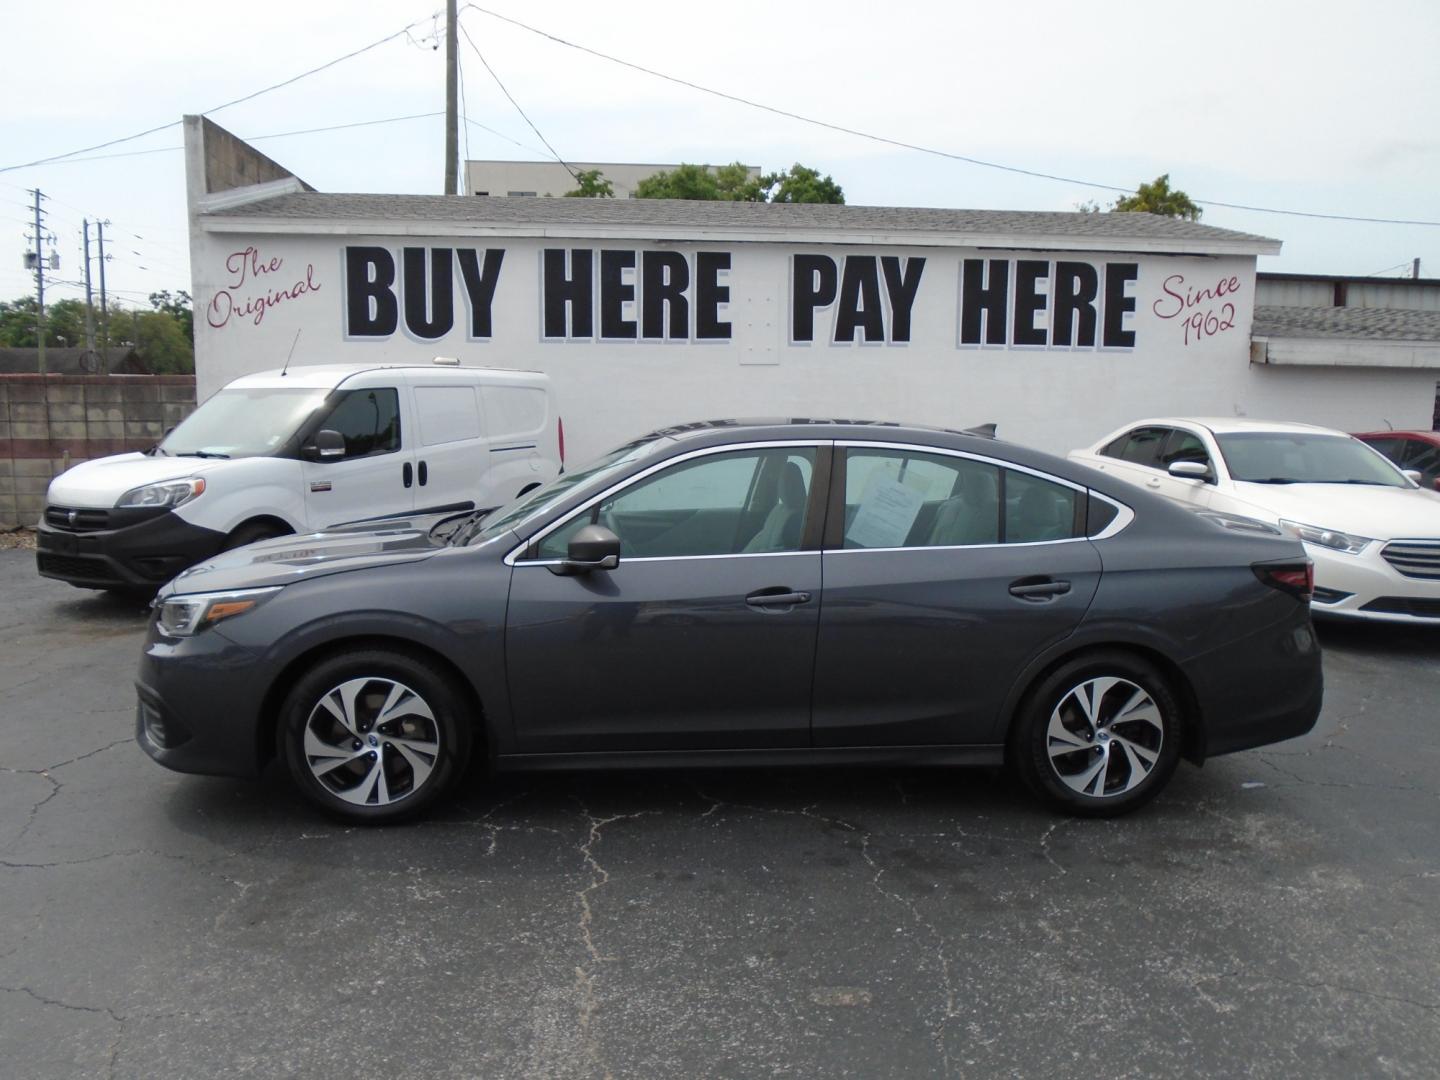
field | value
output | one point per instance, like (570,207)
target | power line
(518,109)
(507,138)
(236,101)
(901,143)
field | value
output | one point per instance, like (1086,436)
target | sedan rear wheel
(1099,736)
(374,736)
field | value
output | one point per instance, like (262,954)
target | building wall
(51,422)
(255,292)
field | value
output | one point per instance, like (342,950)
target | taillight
(1297,579)
(560,436)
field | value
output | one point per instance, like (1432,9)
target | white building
(1057,326)
(542,178)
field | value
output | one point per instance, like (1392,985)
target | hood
(1381,513)
(101,482)
(288,559)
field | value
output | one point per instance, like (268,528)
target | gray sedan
(747,593)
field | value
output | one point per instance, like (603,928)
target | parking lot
(1274,914)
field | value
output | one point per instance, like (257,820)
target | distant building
(540,178)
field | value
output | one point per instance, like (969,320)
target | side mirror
(1414,475)
(326,445)
(594,547)
(1189,470)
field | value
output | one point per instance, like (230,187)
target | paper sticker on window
(887,512)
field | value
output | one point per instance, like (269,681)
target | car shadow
(1376,638)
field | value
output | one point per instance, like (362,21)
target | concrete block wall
(50,422)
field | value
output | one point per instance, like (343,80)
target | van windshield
(242,423)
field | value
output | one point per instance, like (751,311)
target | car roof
(1227,425)
(1414,433)
(326,376)
(815,428)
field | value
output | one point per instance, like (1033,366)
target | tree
(734,183)
(1157,197)
(64,324)
(591,184)
(180,307)
(161,344)
(802,185)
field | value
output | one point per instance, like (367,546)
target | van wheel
(251,533)
(1099,736)
(374,736)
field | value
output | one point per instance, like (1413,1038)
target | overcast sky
(1318,106)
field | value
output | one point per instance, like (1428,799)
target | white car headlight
(167,493)
(1333,539)
(186,614)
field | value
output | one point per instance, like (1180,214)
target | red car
(1418,450)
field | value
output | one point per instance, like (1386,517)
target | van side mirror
(593,547)
(326,445)
(1189,470)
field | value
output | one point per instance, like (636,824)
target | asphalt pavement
(1274,914)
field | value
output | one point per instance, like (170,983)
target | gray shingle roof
(1371,324)
(1109,228)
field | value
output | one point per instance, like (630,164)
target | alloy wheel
(1104,737)
(371,741)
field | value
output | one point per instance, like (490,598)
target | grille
(71,567)
(1420,607)
(85,520)
(1414,558)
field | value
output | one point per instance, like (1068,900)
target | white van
(302,450)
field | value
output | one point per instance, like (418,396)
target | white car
(301,450)
(1373,533)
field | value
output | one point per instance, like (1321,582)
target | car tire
(1098,736)
(252,533)
(375,736)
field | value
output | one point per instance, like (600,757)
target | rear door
(375,477)
(703,637)
(451,455)
(944,575)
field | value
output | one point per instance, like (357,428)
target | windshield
(242,423)
(1272,457)
(551,493)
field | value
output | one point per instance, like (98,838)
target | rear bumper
(142,551)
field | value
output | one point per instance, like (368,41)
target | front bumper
(199,703)
(1365,586)
(135,549)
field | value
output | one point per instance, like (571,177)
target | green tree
(694,182)
(180,307)
(158,340)
(64,324)
(591,184)
(802,185)
(1157,197)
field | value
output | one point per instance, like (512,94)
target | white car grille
(1414,558)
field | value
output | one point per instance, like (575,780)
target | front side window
(741,502)
(1184,446)
(368,421)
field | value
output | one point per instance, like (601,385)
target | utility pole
(39,284)
(452,129)
(89,297)
(104,308)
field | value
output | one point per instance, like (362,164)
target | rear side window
(446,414)
(368,420)
(899,498)
(513,412)
(1037,510)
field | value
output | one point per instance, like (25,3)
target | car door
(451,456)
(374,478)
(703,637)
(1135,456)
(1191,492)
(944,575)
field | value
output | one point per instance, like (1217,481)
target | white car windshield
(1274,457)
(242,423)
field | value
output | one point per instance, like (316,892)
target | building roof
(681,219)
(1347,323)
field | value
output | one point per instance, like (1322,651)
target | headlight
(1332,539)
(181,616)
(168,493)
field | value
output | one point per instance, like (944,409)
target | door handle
(424,474)
(775,597)
(407,475)
(1153,482)
(1039,590)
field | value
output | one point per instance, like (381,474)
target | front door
(702,638)
(376,476)
(946,576)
